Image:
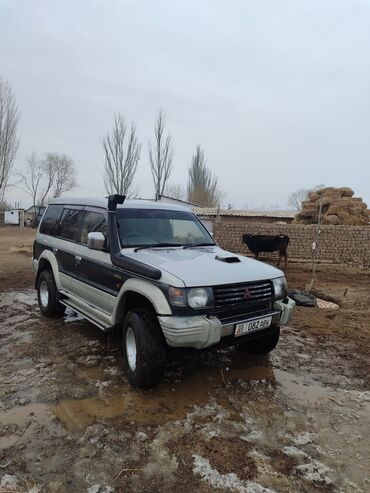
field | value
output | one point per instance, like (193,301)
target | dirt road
(296,421)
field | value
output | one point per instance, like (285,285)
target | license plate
(252,325)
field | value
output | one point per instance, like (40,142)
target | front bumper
(201,331)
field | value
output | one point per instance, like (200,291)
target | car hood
(199,266)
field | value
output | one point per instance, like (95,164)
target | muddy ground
(296,421)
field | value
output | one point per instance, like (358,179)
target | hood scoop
(228,259)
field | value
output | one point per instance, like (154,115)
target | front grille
(235,316)
(245,294)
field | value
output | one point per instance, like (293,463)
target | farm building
(12,216)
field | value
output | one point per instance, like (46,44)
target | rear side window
(70,224)
(51,219)
(93,222)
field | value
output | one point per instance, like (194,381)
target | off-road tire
(150,348)
(52,308)
(262,345)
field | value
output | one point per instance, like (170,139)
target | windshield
(150,227)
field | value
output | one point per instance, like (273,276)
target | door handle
(77,259)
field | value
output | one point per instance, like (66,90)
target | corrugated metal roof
(243,213)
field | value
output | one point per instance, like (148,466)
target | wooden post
(21,219)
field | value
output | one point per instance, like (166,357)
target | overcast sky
(277,92)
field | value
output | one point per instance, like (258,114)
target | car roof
(128,203)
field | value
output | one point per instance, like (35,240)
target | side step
(100,324)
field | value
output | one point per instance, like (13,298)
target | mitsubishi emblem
(247,294)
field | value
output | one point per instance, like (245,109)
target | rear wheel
(47,296)
(144,348)
(263,344)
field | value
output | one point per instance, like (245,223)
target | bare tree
(64,173)
(202,186)
(176,191)
(121,155)
(45,178)
(30,179)
(296,199)
(4,206)
(160,156)
(9,117)
(49,167)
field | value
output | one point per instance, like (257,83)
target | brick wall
(337,243)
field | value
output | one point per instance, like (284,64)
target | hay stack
(339,206)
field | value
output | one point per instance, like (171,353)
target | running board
(105,328)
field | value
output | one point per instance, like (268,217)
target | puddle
(171,402)
(21,416)
(168,402)
(27,297)
(8,441)
(27,421)
(300,389)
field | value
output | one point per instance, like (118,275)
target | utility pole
(316,248)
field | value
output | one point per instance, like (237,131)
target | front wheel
(47,296)
(144,348)
(263,344)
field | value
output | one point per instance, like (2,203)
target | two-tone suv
(154,271)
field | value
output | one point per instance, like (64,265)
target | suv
(153,270)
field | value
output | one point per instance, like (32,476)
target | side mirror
(96,240)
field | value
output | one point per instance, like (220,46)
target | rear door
(68,232)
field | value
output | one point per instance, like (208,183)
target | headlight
(280,287)
(199,297)
(193,297)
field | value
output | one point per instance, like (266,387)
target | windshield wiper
(158,245)
(192,245)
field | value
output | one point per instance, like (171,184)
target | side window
(70,224)
(93,221)
(51,219)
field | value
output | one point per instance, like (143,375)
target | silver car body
(193,267)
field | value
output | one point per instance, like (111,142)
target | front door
(94,272)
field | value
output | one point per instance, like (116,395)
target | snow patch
(303,438)
(294,452)
(97,488)
(315,472)
(91,360)
(359,395)
(103,385)
(113,371)
(9,482)
(230,481)
(141,436)
(253,436)
(27,297)
(72,316)
(161,462)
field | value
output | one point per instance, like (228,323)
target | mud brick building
(341,244)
